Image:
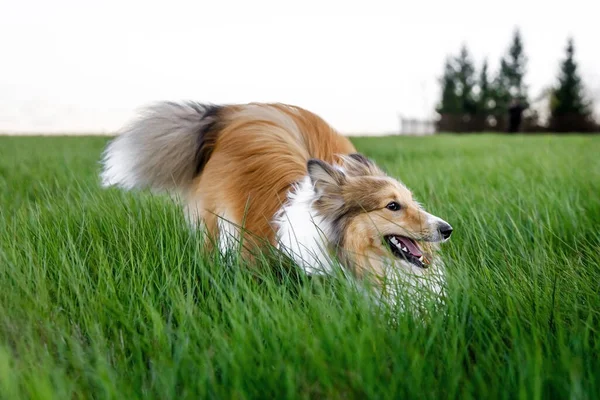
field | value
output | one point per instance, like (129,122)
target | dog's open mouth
(408,249)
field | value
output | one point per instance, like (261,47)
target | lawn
(105,294)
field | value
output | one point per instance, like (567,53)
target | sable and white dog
(275,174)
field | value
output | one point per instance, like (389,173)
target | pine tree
(501,89)
(510,82)
(516,63)
(450,102)
(465,78)
(568,97)
(485,91)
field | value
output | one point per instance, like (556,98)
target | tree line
(476,101)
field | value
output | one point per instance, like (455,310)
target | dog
(279,175)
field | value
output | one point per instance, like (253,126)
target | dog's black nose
(445,230)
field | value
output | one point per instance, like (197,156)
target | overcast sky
(76,65)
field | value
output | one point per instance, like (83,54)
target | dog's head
(374,220)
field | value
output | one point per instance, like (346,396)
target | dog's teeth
(421,258)
(394,240)
(405,249)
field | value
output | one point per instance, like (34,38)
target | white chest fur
(301,233)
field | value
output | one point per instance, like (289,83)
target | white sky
(76,65)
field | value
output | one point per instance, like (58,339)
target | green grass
(105,294)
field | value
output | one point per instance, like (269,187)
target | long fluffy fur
(163,149)
(275,174)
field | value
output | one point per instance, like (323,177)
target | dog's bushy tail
(164,149)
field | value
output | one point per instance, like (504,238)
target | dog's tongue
(411,246)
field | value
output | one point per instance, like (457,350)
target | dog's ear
(325,177)
(361,159)
(359,165)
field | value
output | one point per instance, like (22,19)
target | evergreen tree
(465,79)
(516,63)
(568,97)
(501,89)
(510,81)
(485,91)
(450,102)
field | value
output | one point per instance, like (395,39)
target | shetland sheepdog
(279,175)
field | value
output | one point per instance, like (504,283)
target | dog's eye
(393,206)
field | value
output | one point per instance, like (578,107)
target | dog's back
(233,165)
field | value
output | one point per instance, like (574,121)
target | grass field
(105,294)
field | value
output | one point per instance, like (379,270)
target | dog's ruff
(261,174)
(301,232)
